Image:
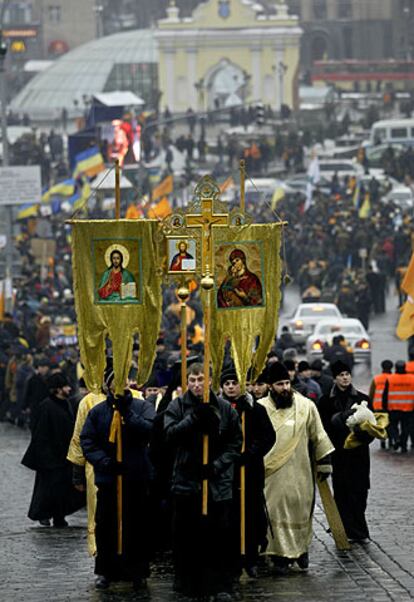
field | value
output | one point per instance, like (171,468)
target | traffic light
(259,113)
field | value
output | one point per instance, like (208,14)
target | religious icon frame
(133,247)
(171,252)
(242,245)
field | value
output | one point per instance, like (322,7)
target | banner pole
(117,191)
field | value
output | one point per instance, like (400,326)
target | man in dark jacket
(259,438)
(53,494)
(201,544)
(36,390)
(318,375)
(137,417)
(351,467)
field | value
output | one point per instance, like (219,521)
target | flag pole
(242,186)
(207,283)
(183,294)
(117,191)
(243,491)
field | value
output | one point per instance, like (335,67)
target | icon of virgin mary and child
(240,287)
(117,284)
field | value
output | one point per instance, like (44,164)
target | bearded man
(301,446)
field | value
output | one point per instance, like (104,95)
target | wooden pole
(119,485)
(243,491)
(242,186)
(183,294)
(207,284)
(117,191)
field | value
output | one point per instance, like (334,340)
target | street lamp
(8,208)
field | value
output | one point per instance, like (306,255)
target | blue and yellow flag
(89,162)
(66,188)
(28,210)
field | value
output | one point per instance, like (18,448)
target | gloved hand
(208,471)
(78,477)
(208,417)
(121,403)
(115,467)
(242,404)
(347,413)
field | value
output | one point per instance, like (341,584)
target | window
(295,8)
(319,9)
(17,13)
(399,133)
(344,9)
(140,78)
(54,14)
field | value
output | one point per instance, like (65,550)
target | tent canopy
(119,98)
(106,181)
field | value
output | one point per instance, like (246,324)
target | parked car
(401,195)
(357,339)
(307,316)
(342,167)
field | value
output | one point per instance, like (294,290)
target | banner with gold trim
(117,287)
(245,307)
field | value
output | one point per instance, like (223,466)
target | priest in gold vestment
(302,447)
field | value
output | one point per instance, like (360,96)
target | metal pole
(242,186)
(117,191)
(8,209)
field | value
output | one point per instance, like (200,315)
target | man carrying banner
(137,418)
(201,544)
(259,438)
(302,446)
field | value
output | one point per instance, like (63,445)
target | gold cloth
(244,325)
(75,455)
(378,431)
(289,485)
(137,311)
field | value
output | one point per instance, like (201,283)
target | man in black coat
(36,390)
(53,494)
(324,380)
(137,417)
(259,439)
(201,545)
(351,467)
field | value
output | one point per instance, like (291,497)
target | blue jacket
(137,426)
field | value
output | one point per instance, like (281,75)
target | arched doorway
(226,85)
(319,47)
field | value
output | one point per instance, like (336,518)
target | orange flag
(164,188)
(160,210)
(133,212)
(405,328)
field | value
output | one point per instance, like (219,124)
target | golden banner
(117,287)
(245,306)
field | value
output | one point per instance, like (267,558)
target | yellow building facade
(227,53)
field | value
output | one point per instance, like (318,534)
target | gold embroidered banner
(245,303)
(117,286)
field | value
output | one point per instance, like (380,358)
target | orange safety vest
(379,380)
(409,367)
(401,392)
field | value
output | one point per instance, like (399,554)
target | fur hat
(277,372)
(338,367)
(228,374)
(57,381)
(302,366)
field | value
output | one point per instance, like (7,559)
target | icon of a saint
(117,283)
(177,261)
(240,287)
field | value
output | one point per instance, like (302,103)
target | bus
(392,131)
(365,76)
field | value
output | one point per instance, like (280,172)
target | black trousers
(255,531)
(400,427)
(201,545)
(352,505)
(133,563)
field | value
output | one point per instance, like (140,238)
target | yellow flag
(365,208)
(246,300)
(228,183)
(163,189)
(405,328)
(117,294)
(278,195)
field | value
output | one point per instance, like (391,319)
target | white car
(307,316)
(356,337)
(402,196)
(342,167)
